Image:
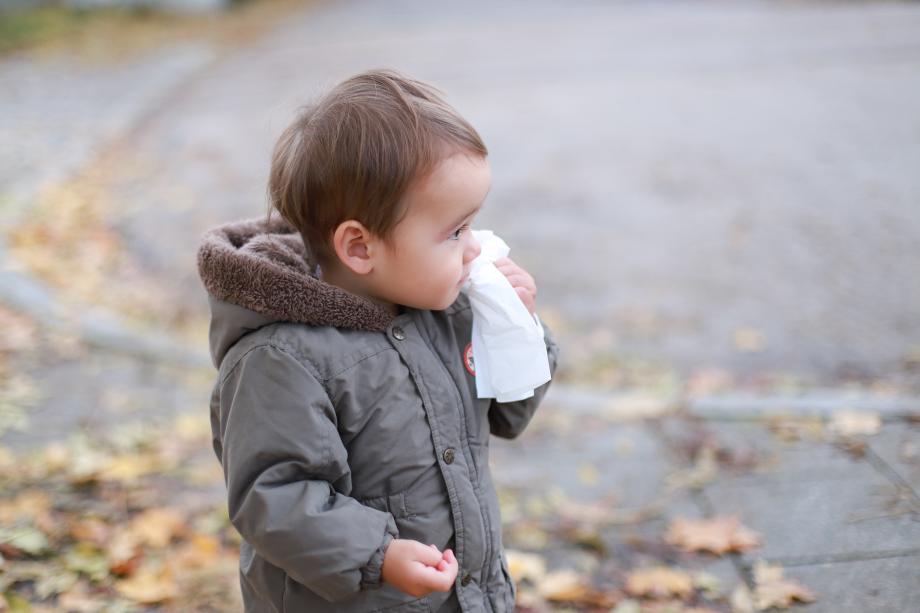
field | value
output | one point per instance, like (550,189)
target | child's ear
(351,242)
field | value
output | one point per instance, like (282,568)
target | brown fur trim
(265,267)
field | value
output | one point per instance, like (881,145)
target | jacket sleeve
(508,419)
(281,454)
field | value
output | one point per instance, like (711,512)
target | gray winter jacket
(340,427)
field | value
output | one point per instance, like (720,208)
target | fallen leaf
(659,582)
(25,505)
(91,530)
(87,560)
(561,585)
(525,566)
(79,599)
(704,469)
(149,586)
(718,535)
(201,551)
(772,590)
(124,552)
(128,467)
(628,606)
(23,539)
(742,601)
(709,584)
(157,527)
(570,587)
(855,423)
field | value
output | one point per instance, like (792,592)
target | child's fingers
(427,554)
(440,580)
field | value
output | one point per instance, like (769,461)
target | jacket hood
(259,271)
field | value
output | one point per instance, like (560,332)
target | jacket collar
(262,265)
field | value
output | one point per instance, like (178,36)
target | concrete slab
(898,445)
(623,460)
(888,585)
(796,460)
(752,453)
(808,519)
(98,391)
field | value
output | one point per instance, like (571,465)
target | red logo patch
(468,359)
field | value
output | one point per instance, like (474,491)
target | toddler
(354,448)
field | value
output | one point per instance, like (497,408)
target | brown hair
(354,153)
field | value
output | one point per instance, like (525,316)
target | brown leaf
(659,582)
(91,530)
(772,590)
(718,535)
(568,586)
(124,552)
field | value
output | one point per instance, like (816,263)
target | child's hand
(521,281)
(417,569)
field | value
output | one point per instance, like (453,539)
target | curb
(627,406)
(97,328)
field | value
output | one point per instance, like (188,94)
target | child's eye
(455,235)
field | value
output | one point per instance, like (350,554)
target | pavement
(740,205)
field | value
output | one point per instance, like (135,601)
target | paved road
(672,172)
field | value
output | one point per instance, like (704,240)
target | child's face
(433,243)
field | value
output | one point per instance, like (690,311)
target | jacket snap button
(466,580)
(449,455)
(398,333)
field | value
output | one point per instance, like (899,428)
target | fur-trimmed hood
(257,272)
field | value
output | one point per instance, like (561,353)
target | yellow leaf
(561,585)
(193,427)
(26,505)
(128,467)
(525,566)
(149,586)
(157,527)
(200,552)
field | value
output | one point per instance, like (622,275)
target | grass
(112,33)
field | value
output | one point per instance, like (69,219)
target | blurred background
(719,201)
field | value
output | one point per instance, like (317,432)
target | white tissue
(509,353)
